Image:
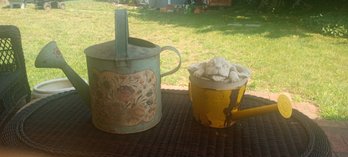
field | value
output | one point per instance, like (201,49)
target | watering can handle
(121,33)
(170,48)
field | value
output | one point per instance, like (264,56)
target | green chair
(14,87)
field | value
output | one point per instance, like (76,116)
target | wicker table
(61,125)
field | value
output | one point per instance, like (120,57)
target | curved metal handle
(170,48)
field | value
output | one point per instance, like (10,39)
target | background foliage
(328,17)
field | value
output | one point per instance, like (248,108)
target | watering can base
(213,120)
(215,124)
(130,129)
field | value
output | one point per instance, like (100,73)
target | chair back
(14,87)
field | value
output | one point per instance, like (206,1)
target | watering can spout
(51,57)
(283,106)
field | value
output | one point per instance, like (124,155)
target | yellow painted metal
(240,114)
(209,105)
(284,106)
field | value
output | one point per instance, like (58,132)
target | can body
(213,107)
(125,94)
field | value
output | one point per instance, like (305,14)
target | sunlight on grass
(283,56)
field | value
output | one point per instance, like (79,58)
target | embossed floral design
(119,99)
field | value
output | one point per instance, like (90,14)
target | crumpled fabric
(219,69)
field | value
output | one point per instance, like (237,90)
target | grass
(283,55)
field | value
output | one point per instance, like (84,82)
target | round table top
(61,125)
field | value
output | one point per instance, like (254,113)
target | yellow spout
(283,106)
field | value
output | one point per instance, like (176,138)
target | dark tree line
(286,5)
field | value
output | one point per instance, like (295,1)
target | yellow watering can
(219,107)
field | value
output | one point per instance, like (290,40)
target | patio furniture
(14,87)
(20,3)
(48,4)
(61,125)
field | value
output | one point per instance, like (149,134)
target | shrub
(335,30)
(328,24)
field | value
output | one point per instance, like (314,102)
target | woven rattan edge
(316,137)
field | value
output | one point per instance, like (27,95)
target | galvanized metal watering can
(124,77)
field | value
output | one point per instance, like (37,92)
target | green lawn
(284,56)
